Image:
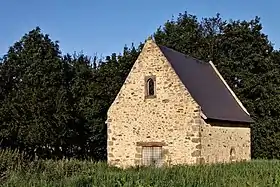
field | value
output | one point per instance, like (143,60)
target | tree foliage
(54,106)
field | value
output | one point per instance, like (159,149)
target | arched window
(232,154)
(150,87)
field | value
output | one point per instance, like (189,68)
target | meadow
(15,171)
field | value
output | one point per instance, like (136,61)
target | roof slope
(206,87)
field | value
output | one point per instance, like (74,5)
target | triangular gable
(141,70)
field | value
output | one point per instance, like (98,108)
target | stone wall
(225,143)
(171,118)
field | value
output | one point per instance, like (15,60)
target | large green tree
(34,112)
(55,106)
(45,100)
(87,106)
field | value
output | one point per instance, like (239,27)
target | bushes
(11,160)
(87,173)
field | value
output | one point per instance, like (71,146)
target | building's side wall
(219,139)
(171,118)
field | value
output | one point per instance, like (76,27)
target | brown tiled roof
(206,87)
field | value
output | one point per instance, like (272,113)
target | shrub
(11,160)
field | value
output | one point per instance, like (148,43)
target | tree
(54,106)
(90,138)
(34,113)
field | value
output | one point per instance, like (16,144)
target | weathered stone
(165,151)
(196,140)
(200,160)
(190,134)
(110,143)
(111,155)
(195,127)
(138,149)
(138,156)
(199,146)
(196,153)
(151,144)
(137,162)
(165,100)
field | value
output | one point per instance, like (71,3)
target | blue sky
(105,26)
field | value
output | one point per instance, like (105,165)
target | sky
(106,26)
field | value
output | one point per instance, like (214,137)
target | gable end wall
(171,119)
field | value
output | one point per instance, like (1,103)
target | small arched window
(232,154)
(150,87)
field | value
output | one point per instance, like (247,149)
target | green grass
(87,173)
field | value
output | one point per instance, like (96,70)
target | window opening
(151,87)
(152,156)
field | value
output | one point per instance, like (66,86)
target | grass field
(87,173)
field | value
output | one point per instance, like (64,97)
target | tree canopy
(54,105)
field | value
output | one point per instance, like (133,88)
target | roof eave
(229,89)
(247,121)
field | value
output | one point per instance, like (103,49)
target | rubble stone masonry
(171,119)
(225,142)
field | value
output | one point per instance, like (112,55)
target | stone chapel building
(174,109)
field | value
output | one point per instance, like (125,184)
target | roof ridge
(186,55)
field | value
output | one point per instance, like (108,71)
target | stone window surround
(140,145)
(151,144)
(153,77)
